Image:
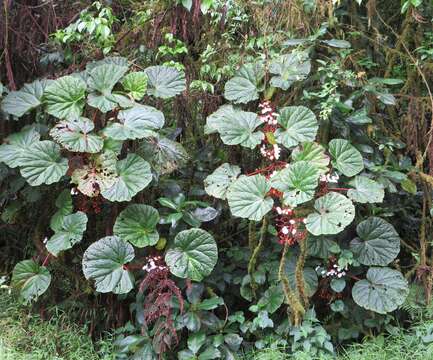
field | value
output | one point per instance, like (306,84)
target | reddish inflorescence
(290,229)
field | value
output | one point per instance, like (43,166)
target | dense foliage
(207,178)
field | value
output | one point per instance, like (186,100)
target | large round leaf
(165,82)
(383,291)
(289,68)
(15,145)
(65,97)
(298,124)
(333,213)
(298,183)
(68,233)
(74,135)
(244,87)
(135,83)
(137,224)
(314,154)
(32,279)
(42,163)
(377,243)
(136,123)
(217,183)
(248,197)
(133,176)
(212,121)
(366,190)
(105,262)
(193,255)
(347,159)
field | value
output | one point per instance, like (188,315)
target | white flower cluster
(272,153)
(328,178)
(335,271)
(267,114)
(283,211)
(152,264)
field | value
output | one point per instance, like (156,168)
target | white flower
(285,230)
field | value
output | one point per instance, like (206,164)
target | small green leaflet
(193,255)
(346,158)
(32,279)
(15,145)
(333,213)
(248,197)
(137,225)
(135,83)
(298,124)
(165,82)
(377,243)
(245,86)
(105,262)
(366,190)
(289,68)
(217,183)
(68,234)
(314,154)
(383,290)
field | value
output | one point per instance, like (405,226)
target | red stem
(47,258)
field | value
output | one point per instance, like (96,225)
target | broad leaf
(135,83)
(133,176)
(298,124)
(137,224)
(32,279)
(42,163)
(346,158)
(68,234)
(272,299)
(165,82)
(15,145)
(333,213)
(320,246)
(244,87)
(366,190)
(377,243)
(193,255)
(383,291)
(137,122)
(105,262)
(115,60)
(217,183)
(74,135)
(64,207)
(288,69)
(65,97)
(298,183)
(216,117)
(248,197)
(314,154)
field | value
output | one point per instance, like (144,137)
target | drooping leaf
(289,68)
(341,44)
(64,207)
(377,243)
(248,197)
(68,234)
(133,175)
(333,213)
(383,290)
(135,83)
(346,158)
(298,183)
(366,190)
(43,164)
(65,97)
(74,135)
(105,262)
(217,183)
(193,255)
(314,154)
(15,145)
(298,124)
(32,279)
(165,82)
(272,299)
(244,87)
(137,224)
(137,122)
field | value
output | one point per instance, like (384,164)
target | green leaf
(17,144)
(272,299)
(333,213)
(314,154)
(320,246)
(377,243)
(340,44)
(135,83)
(248,197)
(217,183)
(68,234)
(133,176)
(298,183)
(105,262)
(29,97)
(359,117)
(338,285)
(137,224)
(193,255)
(366,190)
(289,68)
(138,122)
(310,276)
(196,341)
(347,159)
(74,135)
(212,121)
(298,124)
(65,97)
(42,163)
(383,291)
(165,82)
(64,206)
(244,87)
(409,186)
(236,127)
(32,280)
